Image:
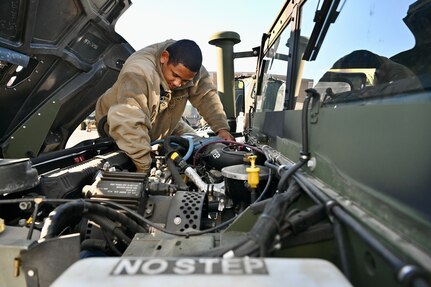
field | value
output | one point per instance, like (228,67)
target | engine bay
(99,206)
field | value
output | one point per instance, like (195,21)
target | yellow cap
(253,172)
(174,155)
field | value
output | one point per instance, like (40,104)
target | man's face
(176,76)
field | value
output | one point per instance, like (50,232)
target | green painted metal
(367,157)
(28,139)
(224,42)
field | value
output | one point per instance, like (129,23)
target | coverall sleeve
(204,97)
(129,120)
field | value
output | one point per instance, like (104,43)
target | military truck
(328,183)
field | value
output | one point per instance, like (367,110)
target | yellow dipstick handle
(253,172)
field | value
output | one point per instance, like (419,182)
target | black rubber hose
(269,223)
(175,139)
(62,216)
(266,188)
(176,176)
(116,216)
(94,244)
(109,225)
(66,213)
(262,234)
(285,175)
(304,154)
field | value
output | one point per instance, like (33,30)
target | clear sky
(151,21)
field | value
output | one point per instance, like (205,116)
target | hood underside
(56,59)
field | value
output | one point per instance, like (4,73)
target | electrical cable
(266,188)
(131,212)
(109,225)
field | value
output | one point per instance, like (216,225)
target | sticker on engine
(189,266)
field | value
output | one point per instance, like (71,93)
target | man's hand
(225,134)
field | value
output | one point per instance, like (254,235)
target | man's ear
(164,57)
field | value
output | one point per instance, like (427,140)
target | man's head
(180,62)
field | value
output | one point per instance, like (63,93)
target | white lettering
(154,266)
(127,267)
(251,264)
(231,266)
(184,266)
(208,263)
(216,154)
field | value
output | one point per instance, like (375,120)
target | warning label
(188,266)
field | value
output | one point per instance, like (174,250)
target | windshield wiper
(324,17)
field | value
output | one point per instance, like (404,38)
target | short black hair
(185,52)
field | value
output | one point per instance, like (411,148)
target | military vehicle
(328,186)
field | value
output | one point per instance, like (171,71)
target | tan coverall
(141,108)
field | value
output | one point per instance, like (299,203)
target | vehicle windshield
(385,54)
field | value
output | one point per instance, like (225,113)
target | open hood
(56,59)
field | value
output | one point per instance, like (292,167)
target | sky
(148,21)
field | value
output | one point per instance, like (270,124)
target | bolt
(177,220)
(25,205)
(30,273)
(312,163)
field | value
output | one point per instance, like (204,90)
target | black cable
(269,223)
(63,214)
(110,226)
(131,212)
(33,220)
(116,216)
(304,154)
(111,244)
(272,166)
(267,226)
(285,174)
(266,188)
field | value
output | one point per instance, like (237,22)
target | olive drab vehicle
(328,183)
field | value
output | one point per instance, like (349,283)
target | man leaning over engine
(150,95)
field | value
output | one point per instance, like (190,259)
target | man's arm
(129,120)
(204,97)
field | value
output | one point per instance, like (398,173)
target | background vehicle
(329,188)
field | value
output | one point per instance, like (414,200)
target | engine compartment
(90,202)
(204,199)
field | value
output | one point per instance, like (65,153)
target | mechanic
(150,95)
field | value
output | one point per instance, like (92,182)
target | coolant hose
(65,213)
(176,176)
(190,149)
(184,142)
(190,146)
